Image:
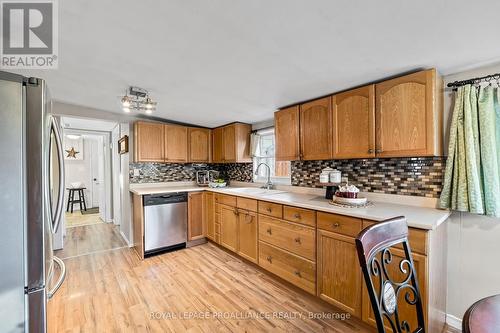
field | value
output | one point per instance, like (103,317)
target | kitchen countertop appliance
(165,222)
(205,177)
(32,174)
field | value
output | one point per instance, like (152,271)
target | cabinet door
(149,142)
(286,132)
(316,129)
(229,227)
(407,124)
(218,145)
(229,144)
(176,143)
(196,228)
(354,123)
(242,142)
(339,274)
(248,235)
(199,144)
(406,311)
(210,215)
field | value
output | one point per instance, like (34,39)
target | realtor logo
(29,34)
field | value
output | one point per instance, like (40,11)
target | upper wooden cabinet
(218,145)
(149,142)
(199,144)
(231,143)
(286,131)
(409,115)
(354,123)
(176,143)
(316,129)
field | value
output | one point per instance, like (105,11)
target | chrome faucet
(269,184)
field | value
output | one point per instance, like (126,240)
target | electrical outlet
(136,173)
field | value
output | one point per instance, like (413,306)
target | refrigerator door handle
(56,287)
(60,200)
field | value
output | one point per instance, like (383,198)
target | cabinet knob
(336,225)
(297,240)
(370,151)
(297,216)
(298,273)
(236,212)
(270,259)
(378,151)
(248,218)
(269,231)
(268,209)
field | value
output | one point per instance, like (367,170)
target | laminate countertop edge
(417,217)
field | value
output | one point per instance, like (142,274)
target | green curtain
(472,175)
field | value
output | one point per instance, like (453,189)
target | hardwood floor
(78,219)
(114,291)
(90,238)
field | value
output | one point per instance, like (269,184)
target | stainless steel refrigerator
(31,203)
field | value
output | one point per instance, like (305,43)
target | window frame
(279,180)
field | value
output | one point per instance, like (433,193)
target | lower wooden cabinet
(339,274)
(196,227)
(229,227)
(209,214)
(247,235)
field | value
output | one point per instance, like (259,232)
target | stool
(81,198)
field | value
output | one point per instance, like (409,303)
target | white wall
(126,222)
(473,241)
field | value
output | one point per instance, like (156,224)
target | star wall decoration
(72,152)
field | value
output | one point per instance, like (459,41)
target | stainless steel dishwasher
(165,222)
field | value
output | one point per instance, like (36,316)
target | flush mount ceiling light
(138,99)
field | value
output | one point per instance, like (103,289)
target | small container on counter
(324,176)
(335,176)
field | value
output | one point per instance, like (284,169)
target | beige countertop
(417,217)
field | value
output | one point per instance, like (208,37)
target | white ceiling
(213,62)
(87,124)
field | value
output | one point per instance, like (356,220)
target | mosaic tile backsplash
(420,176)
(177,172)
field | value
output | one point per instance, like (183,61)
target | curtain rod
(486,78)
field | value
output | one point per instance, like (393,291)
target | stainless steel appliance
(32,178)
(165,222)
(204,177)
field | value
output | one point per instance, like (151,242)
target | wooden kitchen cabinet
(229,227)
(209,214)
(176,143)
(218,145)
(287,134)
(339,275)
(231,143)
(247,235)
(354,123)
(196,221)
(409,115)
(316,129)
(149,142)
(200,143)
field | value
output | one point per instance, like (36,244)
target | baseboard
(453,321)
(125,239)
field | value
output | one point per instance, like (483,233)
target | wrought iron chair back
(374,252)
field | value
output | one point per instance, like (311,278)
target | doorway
(88,225)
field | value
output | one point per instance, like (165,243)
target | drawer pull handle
(270,259)
(248,218)
(269,231)
(297,216)
(297,240)
(336,225)
(269,209)
(298,273)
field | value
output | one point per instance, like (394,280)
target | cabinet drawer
(300,215)
(226,199)
(245,203)
(296,270)
(295,238)
(341,224)
(272,209)
(416,237)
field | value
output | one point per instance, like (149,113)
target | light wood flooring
(77,219)
(90,238)
(114,291)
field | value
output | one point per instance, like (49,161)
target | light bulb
(149,111)
(125,102)
(125,109)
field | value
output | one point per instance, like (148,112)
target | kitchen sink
(252,191)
